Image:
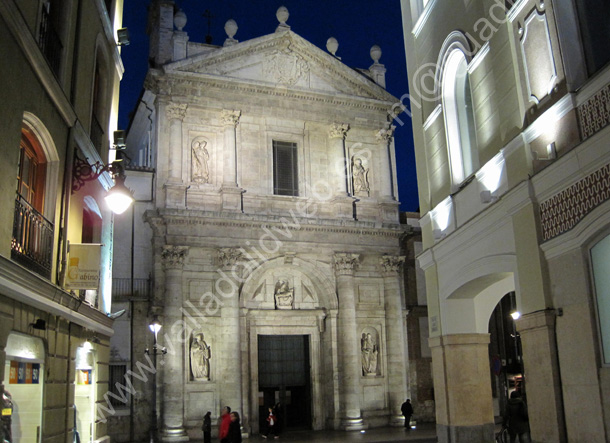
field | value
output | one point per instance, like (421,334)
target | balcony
(49,43)
(124,288)
(32,244)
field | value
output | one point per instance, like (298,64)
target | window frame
(604,348)
(294,163)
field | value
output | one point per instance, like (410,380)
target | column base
(343,207)
(231,199)
(353,424)
(175,195)
(174,434)
(465,434)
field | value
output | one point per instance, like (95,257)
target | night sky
(356,24)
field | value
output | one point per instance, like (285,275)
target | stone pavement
(425,433)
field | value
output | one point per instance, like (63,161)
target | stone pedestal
(343,207)
(395,336)
(542,382)
(173,363)
(231,199)
(462,390)
(349,342)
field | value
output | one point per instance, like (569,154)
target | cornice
(191,217)
(191,86)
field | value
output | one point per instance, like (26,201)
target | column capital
(173,256)
(390,264)
(228,257)
(346,264)
(230,117)
(338,130)
(176,111)
(386,134)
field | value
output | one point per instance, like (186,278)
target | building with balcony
(509,101)
(60,76)
(266,217)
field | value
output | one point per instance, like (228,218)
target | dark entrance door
(284,378)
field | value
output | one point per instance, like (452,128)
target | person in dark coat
(207,427)
(234,435)
(516,418)
(407,411)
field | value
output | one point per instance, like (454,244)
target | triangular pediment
(282,59)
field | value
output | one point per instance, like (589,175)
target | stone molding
(345,263)
(229,257)
(338,130)
(390,264)
(176,111)
(230,117)
(173,257)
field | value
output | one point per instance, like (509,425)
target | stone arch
(315,291)
(474,291)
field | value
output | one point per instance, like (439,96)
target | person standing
(407,411)
(207,427)
(234,435)
(224,422)
(271,424)
(516,418)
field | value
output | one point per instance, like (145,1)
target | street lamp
(155,327)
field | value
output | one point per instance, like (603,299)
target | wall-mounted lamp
(119,139)
(516,315)
(119,198)
(487,197)
(123,37)
(39,324)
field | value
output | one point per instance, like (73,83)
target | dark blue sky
(356,24)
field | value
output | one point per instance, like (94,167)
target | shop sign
(24,373)
(84,266)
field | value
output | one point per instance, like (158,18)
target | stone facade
(510,125)
(273,212)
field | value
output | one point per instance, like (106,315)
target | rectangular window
(117,376)
(285,168)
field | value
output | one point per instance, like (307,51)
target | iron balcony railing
(49,42)
(32,244)
(122,287)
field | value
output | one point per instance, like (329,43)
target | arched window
(600,261)
(459,118)
(32,171)
(99,102)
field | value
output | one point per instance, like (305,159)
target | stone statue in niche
(200,358)
(370,354)
(284,295)
(201,171)
(360,179)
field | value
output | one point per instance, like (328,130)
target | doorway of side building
(284,380)
(84,393)
(505,355)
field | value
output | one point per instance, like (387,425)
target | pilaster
(175,188)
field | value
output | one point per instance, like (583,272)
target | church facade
(268,220)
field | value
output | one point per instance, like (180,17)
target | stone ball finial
(375,53)
(231,28)
(179,19)
(282,15)
(332,45)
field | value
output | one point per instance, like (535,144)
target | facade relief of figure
(201,171)
(284,295)
(360,179)
(200,358)
(370,354)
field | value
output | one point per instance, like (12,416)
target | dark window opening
(285,169)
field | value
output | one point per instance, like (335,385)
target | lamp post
(155,327)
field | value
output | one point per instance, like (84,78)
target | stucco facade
(512,177)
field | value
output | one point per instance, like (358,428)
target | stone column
(230,120)
(231,193)
(542,381)
(395,336)
(175,113)
(385,136)
(173,365)
(462,390)
(339,171)
(348,343)
(230,359)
